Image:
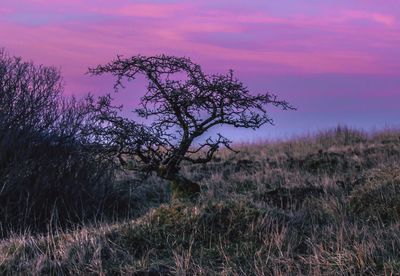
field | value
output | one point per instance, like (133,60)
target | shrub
(48,173)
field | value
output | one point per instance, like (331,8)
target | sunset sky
(337,61)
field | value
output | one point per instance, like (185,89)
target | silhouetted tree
(182,103)
(50,163)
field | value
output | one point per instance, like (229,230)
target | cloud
(261,40)
(385,19)
(292,61)
(144,10)
(5,10)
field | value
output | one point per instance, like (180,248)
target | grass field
(319,205)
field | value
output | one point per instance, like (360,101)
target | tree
(50,167)
(32,102)
(27,94)
(182,103)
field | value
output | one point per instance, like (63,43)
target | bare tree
(182,103)
(49,154)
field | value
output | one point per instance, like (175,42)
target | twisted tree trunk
(181,187)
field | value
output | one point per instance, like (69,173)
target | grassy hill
(324,204)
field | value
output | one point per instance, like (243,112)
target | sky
(337,61)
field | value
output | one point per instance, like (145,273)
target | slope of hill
(326,204)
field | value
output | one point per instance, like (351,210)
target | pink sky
(338,61)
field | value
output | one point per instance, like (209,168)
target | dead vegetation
(268,210)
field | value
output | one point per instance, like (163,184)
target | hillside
(324,204)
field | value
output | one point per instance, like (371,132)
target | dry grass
(321,205)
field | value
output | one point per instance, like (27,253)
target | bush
(48,171)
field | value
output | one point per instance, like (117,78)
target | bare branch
(182,103)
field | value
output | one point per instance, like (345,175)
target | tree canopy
(181,104)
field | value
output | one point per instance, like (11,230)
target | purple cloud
(265,42)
